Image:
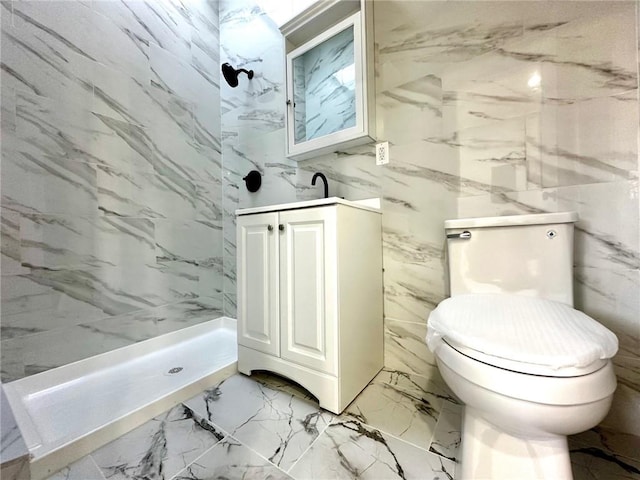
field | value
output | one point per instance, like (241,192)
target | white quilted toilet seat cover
(522,329)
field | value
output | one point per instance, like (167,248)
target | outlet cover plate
(382,153)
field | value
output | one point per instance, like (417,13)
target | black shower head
(231,74)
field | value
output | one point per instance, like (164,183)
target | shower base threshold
(67,412)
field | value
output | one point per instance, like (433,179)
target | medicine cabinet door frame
(345,137)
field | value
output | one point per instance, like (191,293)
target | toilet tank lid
(510,220)
(523,329)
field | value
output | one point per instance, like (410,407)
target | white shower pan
(67,412)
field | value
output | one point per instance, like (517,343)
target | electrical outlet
(382,153)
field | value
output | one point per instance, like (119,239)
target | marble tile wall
(14,456)
(111,176)
(490,108)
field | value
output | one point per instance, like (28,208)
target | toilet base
(492,454)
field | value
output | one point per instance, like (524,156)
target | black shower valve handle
(253,181)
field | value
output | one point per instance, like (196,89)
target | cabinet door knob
(281,227)
(270,228)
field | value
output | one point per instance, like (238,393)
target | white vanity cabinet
(310,296)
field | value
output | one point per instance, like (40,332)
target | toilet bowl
(515,424)
(528,368)
(517,414)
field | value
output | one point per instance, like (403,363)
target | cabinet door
(258,290)
(308,303)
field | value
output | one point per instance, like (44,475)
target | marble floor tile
(404,409)
(83,469)
(265,427)
(350,449)
(610,441)
(160,448)
(230,459)
(277,425)
(592,463)
(448,434)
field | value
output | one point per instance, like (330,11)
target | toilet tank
(521,254)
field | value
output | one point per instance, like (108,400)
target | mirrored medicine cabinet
(329,78)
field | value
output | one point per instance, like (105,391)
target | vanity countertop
(370,204)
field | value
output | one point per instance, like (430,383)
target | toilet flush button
(551,234)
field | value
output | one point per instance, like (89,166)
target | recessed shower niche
(330,90)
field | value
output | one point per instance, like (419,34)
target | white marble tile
(10,234)
(230,278)
(231,305)
(206,63)
(207,123)
(25,294)
(49,241)
(160,448)
(447,436)
(423,179)
(417,39)
(419,103)
(16,470)
(6,15)
(277,425)
(124,50)
(121,96)
(351,174)
(121,289)
(230,273)
(412,291)
(488,89)
(34,182)
(35,341)
(187,240)
(265,154)
(250,40)
(609,441)
(177,154)
(141,194)
(405,347)
(590,463)
(62,25)
(589,141)
(580,58)
(177,76)
(8,106)
(164,22)
(350,449)
(83,103)
(231,459)
(83,469)
(12,444)
(151,322)
(409,413)
(171,113)
(622,417)
(493,154)
(50,49)
(205,34)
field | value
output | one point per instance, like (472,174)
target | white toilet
(529,368)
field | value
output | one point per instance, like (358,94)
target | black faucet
(324,179)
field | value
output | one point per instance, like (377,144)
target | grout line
(258,453)
(96,465)
(314,441)
(200,456)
